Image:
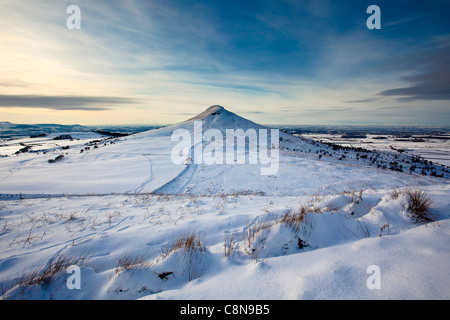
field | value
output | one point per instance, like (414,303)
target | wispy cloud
(62,102)
(165,59)
(361,100)
(431,78)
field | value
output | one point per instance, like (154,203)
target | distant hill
(10,130)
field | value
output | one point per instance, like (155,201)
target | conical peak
(220,118)
(213,110)
(216,109)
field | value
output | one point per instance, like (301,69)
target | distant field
(434,148)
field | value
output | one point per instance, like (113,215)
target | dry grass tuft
(419,204)
(258,232)
(188,242)
(294,219)
(193,248)
(254,232)
(230,246)
(43,276)
(126,262)
(395,194)
(257,228)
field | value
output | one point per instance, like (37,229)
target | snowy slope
(305,167)
(342,237)
(127,165)
(129,210)
(142,163)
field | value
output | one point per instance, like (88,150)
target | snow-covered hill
(142,163)
(139,225)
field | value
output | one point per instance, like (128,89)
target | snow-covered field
(329,224)
(433,148)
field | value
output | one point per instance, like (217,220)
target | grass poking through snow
(419,204)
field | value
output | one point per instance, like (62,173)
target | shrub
(58,158)
(419,204)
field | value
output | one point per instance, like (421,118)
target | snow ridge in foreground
(342,235)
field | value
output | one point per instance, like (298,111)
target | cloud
(338,108)
(178,56)
(62,102)
(253,112)
(430,78)
(394,108)
(328,110)
(428,86)
(361,101)
(14,83)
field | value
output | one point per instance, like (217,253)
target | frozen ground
(140,226)
(342,235)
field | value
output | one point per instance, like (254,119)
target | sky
(283,62)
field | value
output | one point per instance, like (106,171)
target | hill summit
(213,110)
(217,117)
